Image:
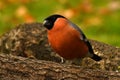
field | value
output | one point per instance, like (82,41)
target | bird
(67,39)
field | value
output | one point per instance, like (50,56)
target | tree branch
(30,41)
(13,67)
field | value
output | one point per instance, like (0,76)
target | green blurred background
(99,19)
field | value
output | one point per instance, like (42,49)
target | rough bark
(15,68)
(39,62)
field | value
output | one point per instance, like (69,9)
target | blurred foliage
(98,19)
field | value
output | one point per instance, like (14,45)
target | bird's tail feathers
(94,56)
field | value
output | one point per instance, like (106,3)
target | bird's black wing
(85,40)
(82,37)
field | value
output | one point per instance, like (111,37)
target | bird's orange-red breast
(67,39)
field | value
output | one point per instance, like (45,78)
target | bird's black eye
(49,21)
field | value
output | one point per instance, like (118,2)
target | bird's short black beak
(44,23)
(47,24)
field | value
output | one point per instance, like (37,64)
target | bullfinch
(67,39)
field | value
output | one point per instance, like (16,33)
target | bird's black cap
(49,21)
